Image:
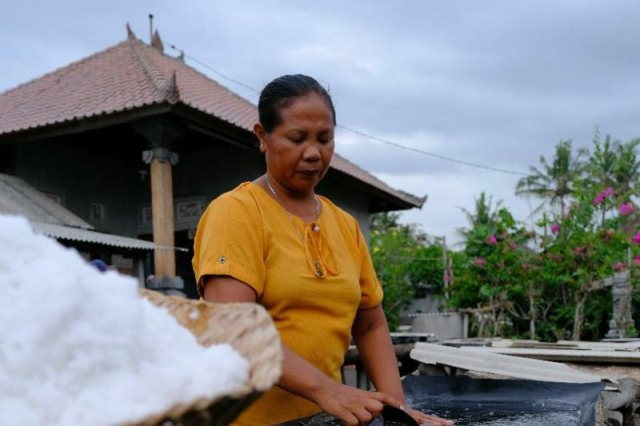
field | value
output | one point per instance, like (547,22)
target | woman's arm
(371,334)
(350,405)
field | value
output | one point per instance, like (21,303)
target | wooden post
(161,132)
(446,273)
(162,215)
(161,161)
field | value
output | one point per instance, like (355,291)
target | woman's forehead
(311,108)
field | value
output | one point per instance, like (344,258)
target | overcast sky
(497,83)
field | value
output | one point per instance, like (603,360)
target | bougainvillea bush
(547,282)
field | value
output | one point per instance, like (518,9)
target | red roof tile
(133,75)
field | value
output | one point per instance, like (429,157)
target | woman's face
(298,151)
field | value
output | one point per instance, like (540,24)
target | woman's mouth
(309,172)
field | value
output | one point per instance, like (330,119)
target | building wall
(349,199)
(104,171)
(84,175)
(82,179)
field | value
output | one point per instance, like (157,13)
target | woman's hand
(350,405)
(426,419)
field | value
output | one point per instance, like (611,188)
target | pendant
(317,267)
(315,227)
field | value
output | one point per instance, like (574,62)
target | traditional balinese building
(135,143)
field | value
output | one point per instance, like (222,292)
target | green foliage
(547,284)
(553,182)
(543,283)
(484,213)
(406,264)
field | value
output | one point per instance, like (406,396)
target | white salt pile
(79,347)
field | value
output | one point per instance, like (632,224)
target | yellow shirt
(247,234)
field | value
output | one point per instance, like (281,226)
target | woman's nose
(312,153)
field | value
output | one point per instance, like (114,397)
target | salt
(80,347)
(194,315)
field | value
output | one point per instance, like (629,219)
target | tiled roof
(126,76)
(133,75)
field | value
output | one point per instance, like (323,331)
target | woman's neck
(302,204)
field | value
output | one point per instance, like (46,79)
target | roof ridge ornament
(166,87)
(170,90)
(130,34)
(156,42)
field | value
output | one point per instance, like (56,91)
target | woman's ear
(262,136)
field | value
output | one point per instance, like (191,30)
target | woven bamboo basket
(248,328)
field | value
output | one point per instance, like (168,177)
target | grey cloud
(498,83)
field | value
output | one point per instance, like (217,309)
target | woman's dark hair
(281,92)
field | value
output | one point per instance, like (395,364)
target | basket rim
(257,315)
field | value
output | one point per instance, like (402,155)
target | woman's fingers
(356,407)
(385,399)
(364,416)
(350,405)
(426,419)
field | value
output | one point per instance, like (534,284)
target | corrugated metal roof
(133,75)
(19,198)
(50,218)
(85,235)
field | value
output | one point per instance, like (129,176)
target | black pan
(390,416)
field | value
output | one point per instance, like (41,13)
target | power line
(226,77)
(441,157)
(360,133)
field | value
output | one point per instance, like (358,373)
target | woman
(275,242)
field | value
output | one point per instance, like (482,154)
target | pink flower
(599,199)
(626,209)
(555,228)
(513,245)
(636,260)
(636,239)
(578,250)
(619,266)
(480,261)
(603,196)
(491,239)
(447,277)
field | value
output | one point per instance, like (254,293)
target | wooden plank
(411,334)
(508,343)
(476,359)
(605,346)
(566,355)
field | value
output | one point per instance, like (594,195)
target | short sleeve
(369,284)
(229,241)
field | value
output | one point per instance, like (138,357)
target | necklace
(318,268)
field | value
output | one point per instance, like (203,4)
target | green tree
(602,162)
(576,257)
(484,213)
(554,183)
(406,264)
(549,285)
(493,280)
(614,164)
(627,168)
